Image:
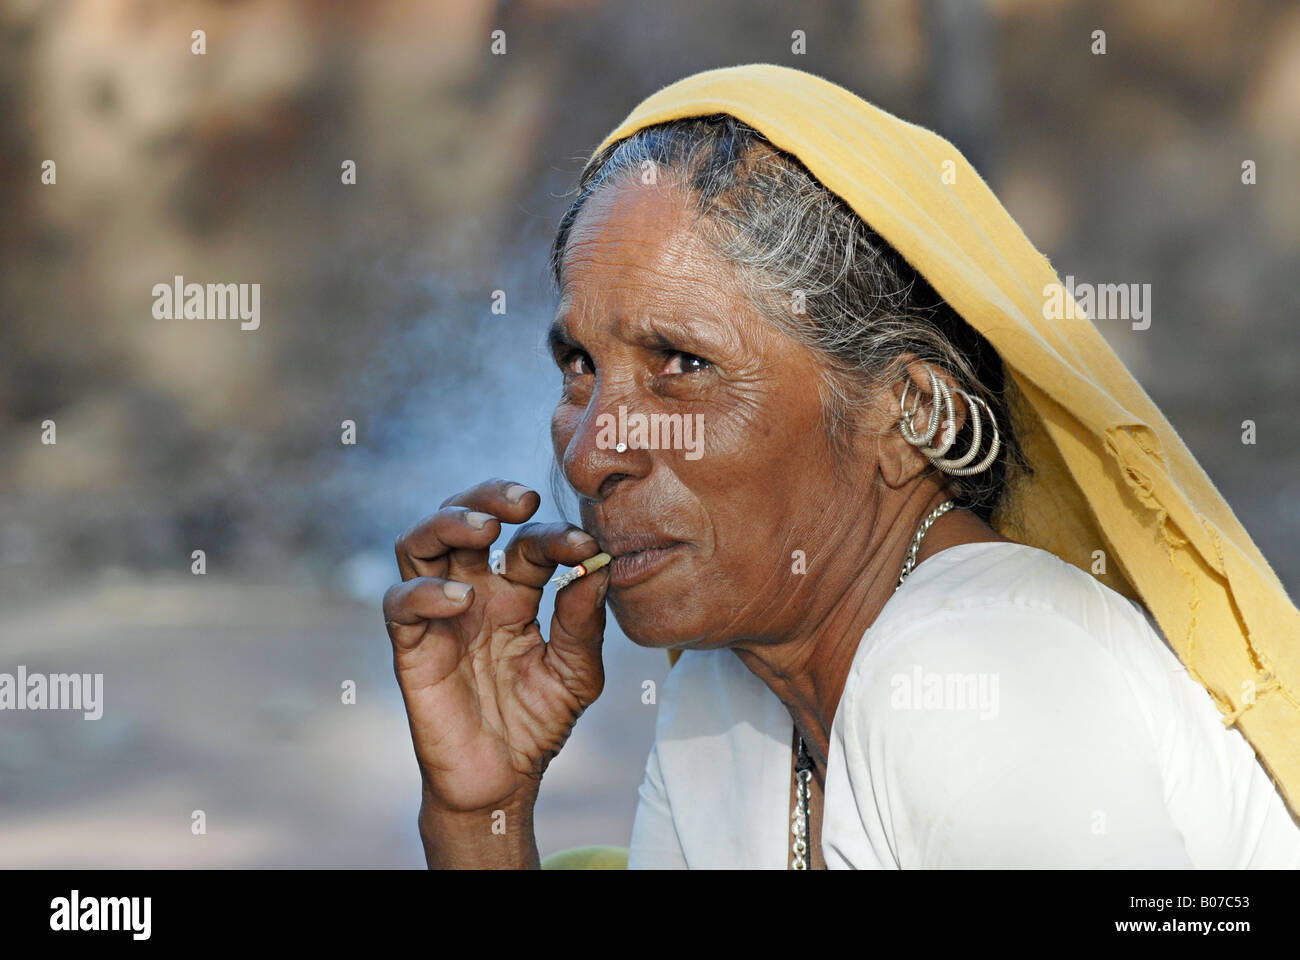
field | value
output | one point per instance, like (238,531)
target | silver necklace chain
(803,763)
(909,563)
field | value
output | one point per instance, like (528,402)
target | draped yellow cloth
(1110,472)
(587,858)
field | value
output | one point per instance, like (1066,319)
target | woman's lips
(637,566)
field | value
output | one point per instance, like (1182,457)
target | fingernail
(515,492)
(456,591)
(579,537)
(601,591)
(477,520)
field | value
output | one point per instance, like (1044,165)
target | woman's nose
(598,456)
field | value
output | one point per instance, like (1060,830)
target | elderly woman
(903,562)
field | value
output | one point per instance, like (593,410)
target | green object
(587,858)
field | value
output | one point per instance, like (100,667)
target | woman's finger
(420,549)
(577,632)
(409,605)
(512,502)
(451,528)
(537,549)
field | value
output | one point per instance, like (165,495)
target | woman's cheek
(739,428)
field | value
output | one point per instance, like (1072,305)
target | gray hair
(812,267)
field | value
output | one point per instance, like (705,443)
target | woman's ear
(900,461)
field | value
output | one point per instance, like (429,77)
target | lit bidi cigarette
(581,570)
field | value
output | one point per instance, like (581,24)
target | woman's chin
(652,620)
(659,598)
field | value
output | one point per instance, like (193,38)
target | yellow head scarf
(1110,472)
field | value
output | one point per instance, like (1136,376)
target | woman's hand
(490,702)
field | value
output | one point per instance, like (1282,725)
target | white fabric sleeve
(1004,736)
(655,844)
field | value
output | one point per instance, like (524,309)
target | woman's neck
(808,671)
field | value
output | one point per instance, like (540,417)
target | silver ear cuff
(943,418)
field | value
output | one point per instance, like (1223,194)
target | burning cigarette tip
(581,570)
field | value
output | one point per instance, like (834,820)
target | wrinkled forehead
(640,265)
(640,235)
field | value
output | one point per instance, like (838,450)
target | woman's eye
(577,365)
(684,363)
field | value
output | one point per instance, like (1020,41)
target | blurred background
(222,691)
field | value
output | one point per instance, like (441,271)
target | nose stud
(621,448)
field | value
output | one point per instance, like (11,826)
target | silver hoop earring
(948,425)
(948,464)
(994,446)
(943,403)
(905,421)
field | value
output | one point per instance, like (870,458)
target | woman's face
(711,536)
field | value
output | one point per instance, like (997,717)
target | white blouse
(1004,710)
